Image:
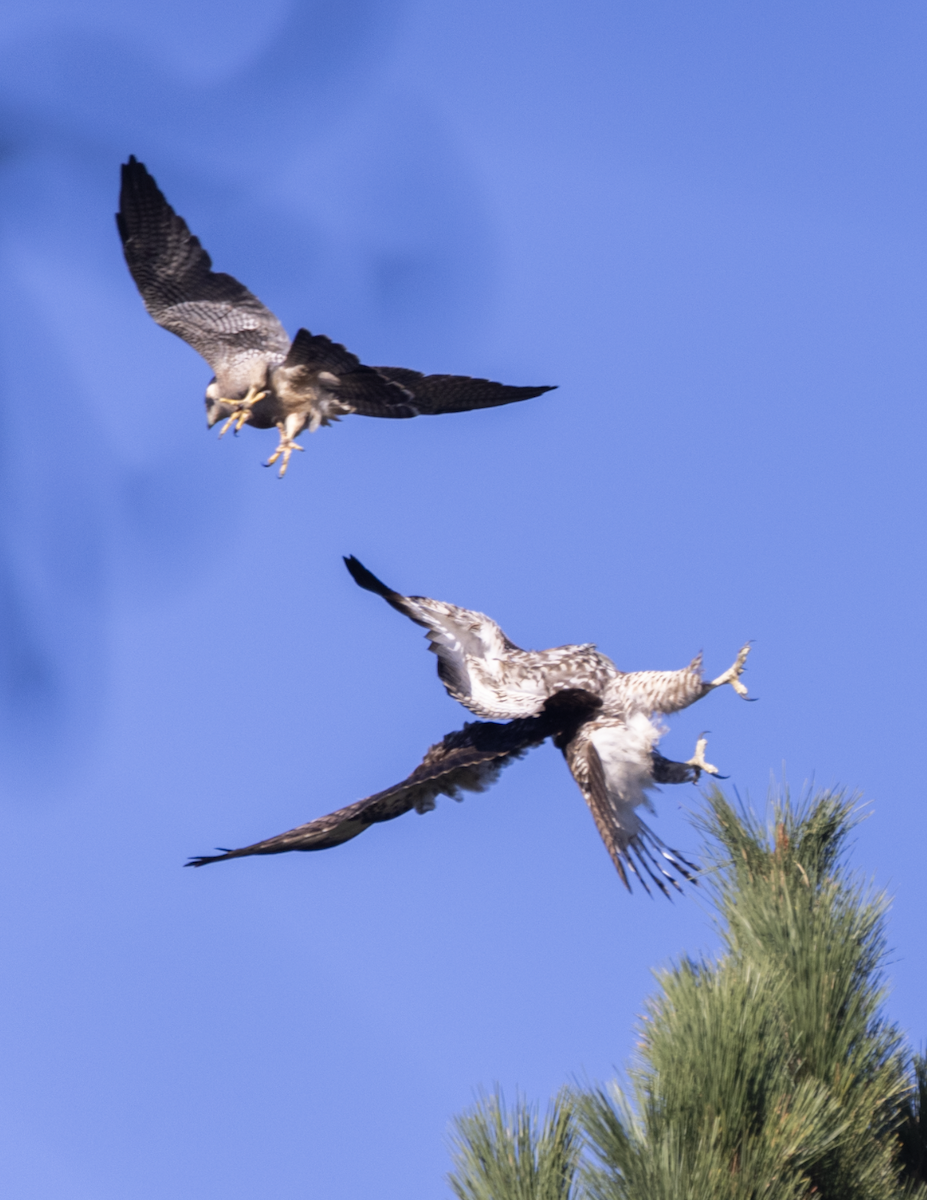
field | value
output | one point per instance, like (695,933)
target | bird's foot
(733,673)
(699,762)
(241,410)
(286,448)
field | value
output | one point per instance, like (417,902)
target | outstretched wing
(430,395)
(478,664)
(613,778)
(456,636)
(390,391)
(213,312)
(468,760)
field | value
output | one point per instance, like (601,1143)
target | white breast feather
(625,751)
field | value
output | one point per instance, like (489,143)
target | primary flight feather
(261,377)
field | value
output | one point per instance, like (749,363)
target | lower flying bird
(606,722)
(261,377)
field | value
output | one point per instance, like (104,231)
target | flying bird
(606,722)
(261,378)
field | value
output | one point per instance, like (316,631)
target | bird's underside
(261,377)
(471,759)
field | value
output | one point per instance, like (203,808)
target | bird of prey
(605,721)
(261,378)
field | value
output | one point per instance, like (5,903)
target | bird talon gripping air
(606,722)
(261,377)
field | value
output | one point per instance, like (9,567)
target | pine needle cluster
(509,1152)
(768,1073)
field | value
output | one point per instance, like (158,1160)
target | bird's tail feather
(657,861)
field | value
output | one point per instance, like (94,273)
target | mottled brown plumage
(611,751)
(602,720)
(468,760)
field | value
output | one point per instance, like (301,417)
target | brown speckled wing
(468,760)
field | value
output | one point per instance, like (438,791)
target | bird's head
(216,407)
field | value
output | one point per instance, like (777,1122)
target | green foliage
(913,1128)
(770,1072)
(502,1154)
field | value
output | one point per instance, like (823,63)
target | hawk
(261,377)
(605,721)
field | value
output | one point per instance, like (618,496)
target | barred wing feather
(480,667)
(211,311)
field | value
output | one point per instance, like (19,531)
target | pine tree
(507,1154)
(769,1072)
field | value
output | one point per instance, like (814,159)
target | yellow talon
(289,429)
(698,758)
(242,409)
(732,674)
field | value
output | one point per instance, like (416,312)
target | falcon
(606,722)
(261,378)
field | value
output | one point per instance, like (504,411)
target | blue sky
(705,223)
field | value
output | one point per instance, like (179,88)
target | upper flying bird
(261,377)
(606,722)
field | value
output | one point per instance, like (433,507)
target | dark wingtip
(531,393)
(366,579)
(133,167)
(135,182)
(200,860)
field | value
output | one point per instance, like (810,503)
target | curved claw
(699,762)
(241,410)
(733,673)
(289,430)
(285,448)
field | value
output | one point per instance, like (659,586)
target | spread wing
(468,760)
(613,784)
(459,637)
(213,312)
(430,395)
(392,391)
(478,664)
